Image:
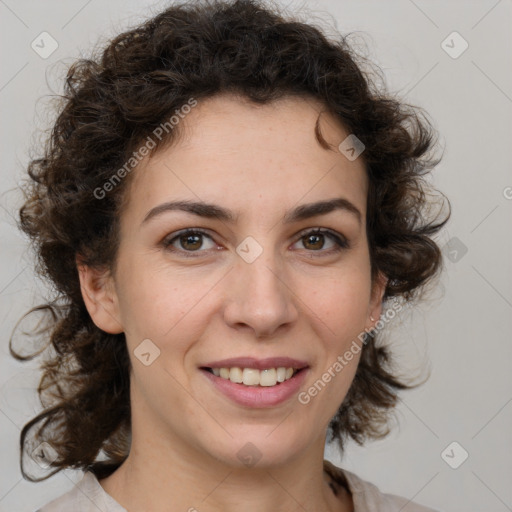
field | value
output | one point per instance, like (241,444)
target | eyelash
(340,241)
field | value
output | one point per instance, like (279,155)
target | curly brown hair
(111,103)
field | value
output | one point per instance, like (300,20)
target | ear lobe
(100,298)
(375,306)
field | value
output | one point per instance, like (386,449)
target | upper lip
(259,364)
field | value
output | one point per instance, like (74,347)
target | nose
(258,298)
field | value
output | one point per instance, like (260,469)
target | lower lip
(258,396)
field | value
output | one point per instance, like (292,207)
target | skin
(297,299)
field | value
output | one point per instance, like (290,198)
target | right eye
(189,241)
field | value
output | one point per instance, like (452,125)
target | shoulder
(367,496)
(86,496)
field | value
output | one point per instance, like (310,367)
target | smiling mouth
(253,377)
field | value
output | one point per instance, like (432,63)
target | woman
(228,210)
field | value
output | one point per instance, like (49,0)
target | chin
(261,448)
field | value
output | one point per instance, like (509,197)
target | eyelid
(323,231)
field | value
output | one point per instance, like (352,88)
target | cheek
(340,302)
(162,303)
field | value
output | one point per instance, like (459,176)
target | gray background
(463,327)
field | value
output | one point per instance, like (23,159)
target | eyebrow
(212,211)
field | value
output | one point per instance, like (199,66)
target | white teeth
(235,375)
(253,377)
(268,377)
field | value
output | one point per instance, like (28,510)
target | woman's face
(255,284)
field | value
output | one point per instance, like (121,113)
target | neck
(168,470)
(174,477)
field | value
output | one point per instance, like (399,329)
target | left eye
(192,240)
(316,240)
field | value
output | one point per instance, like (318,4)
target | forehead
(243,155)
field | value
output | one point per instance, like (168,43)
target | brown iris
(314,240)
(195,241)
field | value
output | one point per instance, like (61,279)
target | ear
(98,292)
(375,305)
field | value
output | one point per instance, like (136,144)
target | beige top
(89,496)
